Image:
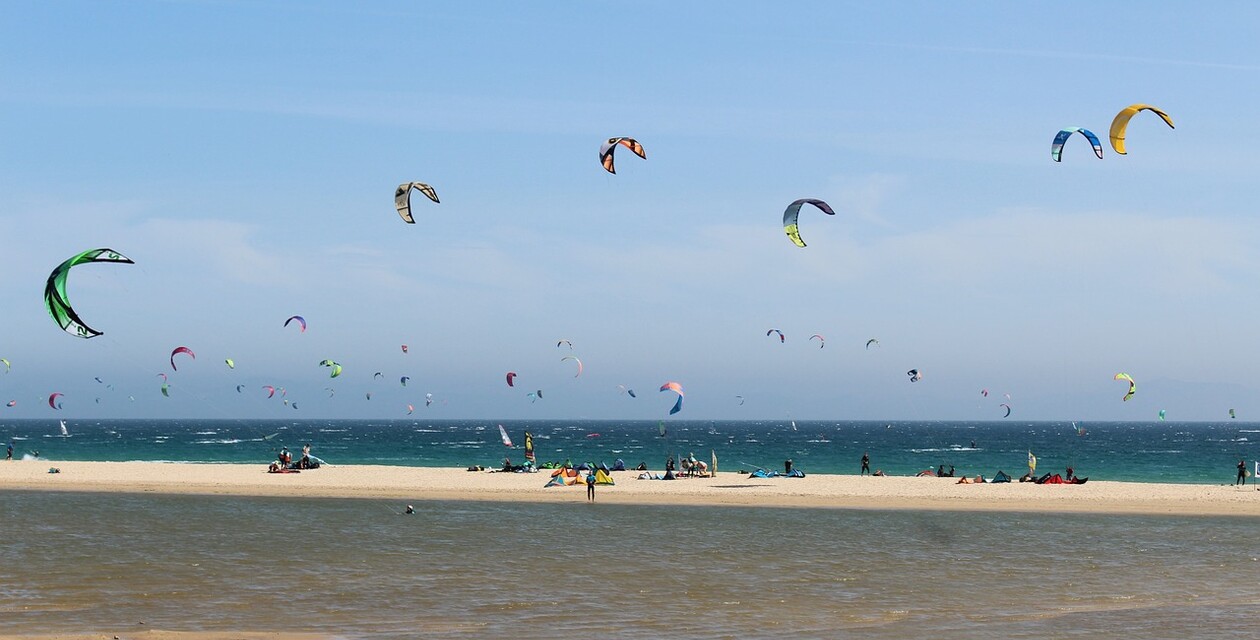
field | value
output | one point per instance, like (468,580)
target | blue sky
(244,154)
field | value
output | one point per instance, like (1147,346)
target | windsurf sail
(507,442)
(529,448)
(63,429)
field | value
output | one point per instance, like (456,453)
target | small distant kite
(56,301)
(870,342)
(1121,123)
(428,399)
(1008,409)
(606,151)
(301,322)
(915,375)
(793,211)
(52,399)
(271,391)
(984,392)
(676,388)
(231,364)
(166,389)
(402,198)
(404,380)
(404,348)
(741,400)
(6,365)
(822,342)
(410,409)
(511,377)
(1162,413)
(579,364)
(565,342)
(626,390)
(782,338)
(334,368)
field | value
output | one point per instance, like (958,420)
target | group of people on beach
(284,461)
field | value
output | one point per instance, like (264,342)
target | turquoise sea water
(106,563)
(1151,452)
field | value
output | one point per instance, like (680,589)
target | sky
(245,154)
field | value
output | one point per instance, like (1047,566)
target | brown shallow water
(73,562)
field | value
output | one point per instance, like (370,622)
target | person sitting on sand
(964,480)
(1027,477)
(879,472)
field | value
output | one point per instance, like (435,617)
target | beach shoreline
(817,491)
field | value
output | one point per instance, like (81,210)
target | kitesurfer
(866,463)
(1242,473)
(410,510)
(590,486)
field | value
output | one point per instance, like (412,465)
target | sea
(1200,453)
(118,564)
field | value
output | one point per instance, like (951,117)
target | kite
(301,322)
(428,399)
(984,392)
(1161,415)
(6,365)
(52,399)
(676,388)
(626,390)
(1008,409)
(870,342)
(404,348)
(630,392)
(240,388)
(1056,147)
(55,299)
(741,400)
(606,151)
(178,350)
(230,363)
(507,442)
(378,374)
(163,377)
(410,409)
(915,375)
(11,403)
(1132,385)
(794,210)
(331,392)
(402,198)
(533,396)
(1121,123)
(335,369)
(511,375)
(822,342)
(1231,414)
(98,380)
(565,342)
(271,391)
(575,359)
(404,380)
(166,389)
(369,395)
(782,338)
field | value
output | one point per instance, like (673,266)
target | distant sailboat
(64,433)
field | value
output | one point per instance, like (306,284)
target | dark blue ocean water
(1159,452)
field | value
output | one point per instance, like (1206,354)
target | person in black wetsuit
(866,463)
(1242,473)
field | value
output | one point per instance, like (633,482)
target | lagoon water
(1143,452)
(359,569)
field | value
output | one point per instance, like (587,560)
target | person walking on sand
(1242,473)
(9,454)
(866,463)
(590,486)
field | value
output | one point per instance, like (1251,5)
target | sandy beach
(727,489)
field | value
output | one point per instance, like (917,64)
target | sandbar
(726,489)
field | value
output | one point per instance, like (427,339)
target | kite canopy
(793,211)
(56,301)
(1008,409)
(575,359)
(52,399)
(782,338)
(1121,123)
(1132,385)
(1056,147)
(915,375)
(511,377)
(301,322)
(402,198)
(676,388)
(606,151)
(870,342)
(179,350)
(822,342)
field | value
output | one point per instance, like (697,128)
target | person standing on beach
(866,463)
(590,486)
(1242,473)
(9,454)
